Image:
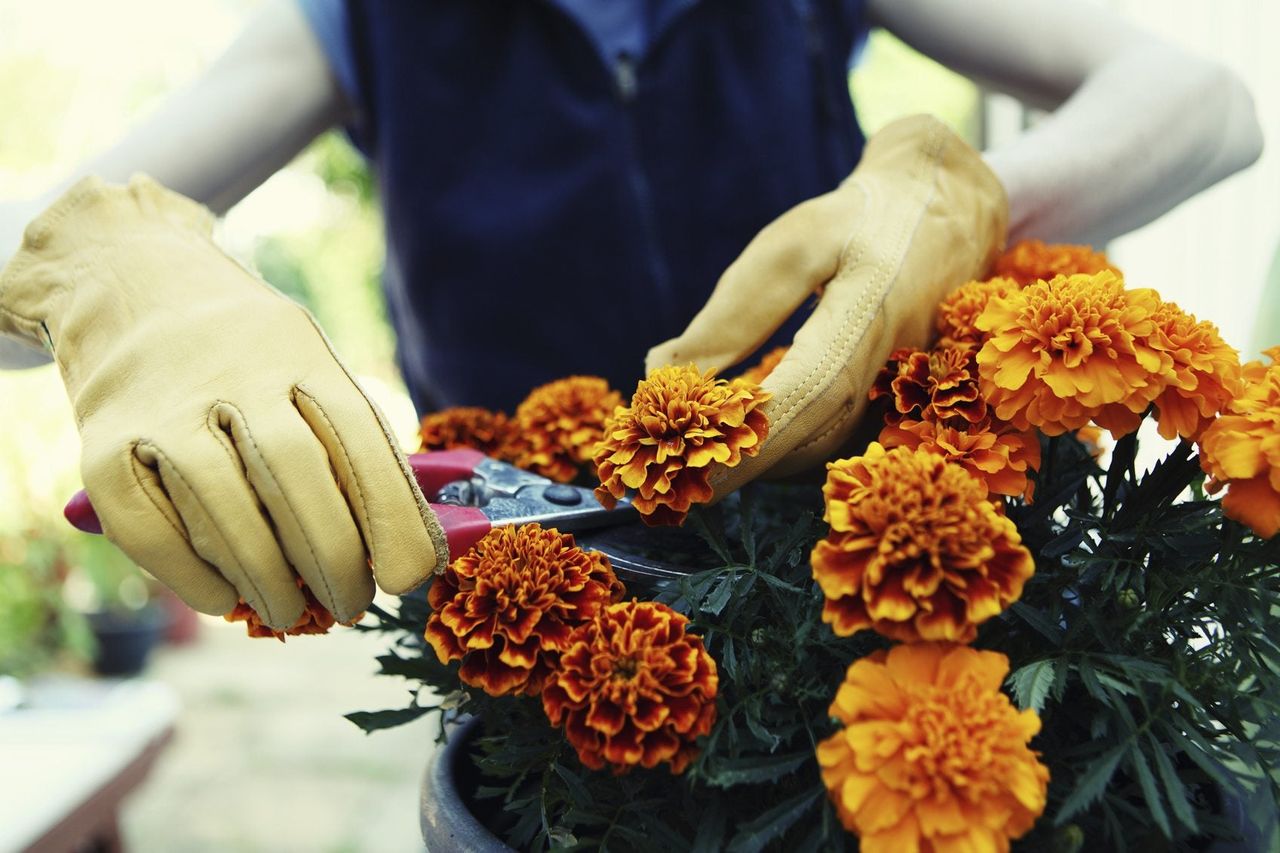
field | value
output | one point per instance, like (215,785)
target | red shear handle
(436,469)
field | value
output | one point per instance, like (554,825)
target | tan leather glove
(224,443)
(919,216)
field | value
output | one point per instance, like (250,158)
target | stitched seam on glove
(238,461)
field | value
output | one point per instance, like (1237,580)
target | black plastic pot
(125,638)
(448,824)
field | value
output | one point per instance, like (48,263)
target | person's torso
(556,208)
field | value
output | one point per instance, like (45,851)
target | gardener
(562,183)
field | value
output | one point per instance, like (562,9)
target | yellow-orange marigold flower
(560,423)
(1206,373)
(757,372)
(939,385)
(680,421)
(1061,353)
(931,755)
(467,426)
(1000,458)
(959,311)
(508,606)
(1031,260)
(1241,449)
(315,618)
(634,688)
(916,550)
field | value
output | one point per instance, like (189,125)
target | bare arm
(256,107)
(1138,125)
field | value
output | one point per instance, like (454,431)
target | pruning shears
(472,493)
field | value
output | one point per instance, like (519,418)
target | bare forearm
(1145,132)
(259,104)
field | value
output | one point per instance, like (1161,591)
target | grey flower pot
(448,826)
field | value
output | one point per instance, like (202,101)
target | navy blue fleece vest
(553,212)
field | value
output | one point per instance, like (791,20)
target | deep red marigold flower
(940,385)
(959,311)
(680,421)
(1078,348)
(1031,260)
(560,423)
(1001,458)
(1241,449)
(916,550)
(931,755)
(1206,373)
(507,607)
(467,426)
(758,372)
(315,618)
(634,688)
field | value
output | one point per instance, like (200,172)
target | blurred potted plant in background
(38,629)
(122,606)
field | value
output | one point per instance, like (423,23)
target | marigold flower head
(939,385)
(959,311)
(1000,458)
(315,618)
(508,606)
(916,550)
(1031,260)
(759,371)
(558,425)
(679,422)
(1061,353)
(1241,449)
(931,755)
(1206,373)
(634,688)
(467,426)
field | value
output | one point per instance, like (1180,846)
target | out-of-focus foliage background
(74,75)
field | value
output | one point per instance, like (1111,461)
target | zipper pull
(624,77)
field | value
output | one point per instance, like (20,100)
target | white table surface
(72,737)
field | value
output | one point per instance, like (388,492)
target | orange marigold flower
(931,756)
(467,426)
(1078,348)
(634,688)
(315,618)
(916,550)
(1206,373)
(765,366)
(679,422)
(940,385)
(1032,260)
(1090,436)
(1000,458)
(508,606)
(560,423)
(959,311)
(1241,449)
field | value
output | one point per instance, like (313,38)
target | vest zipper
(626,87)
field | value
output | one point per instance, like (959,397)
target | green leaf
(577,789)
(710,837)
(719,597)
(729,772)
(1147,782)
(711,533)
(1038,621)
(753,835)
(1091,784)
(1031,684)
(372,721)
(1174,791)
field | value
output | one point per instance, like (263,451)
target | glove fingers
(224,522)
(136,515)
(404,539)
(290,472)
(785,263)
